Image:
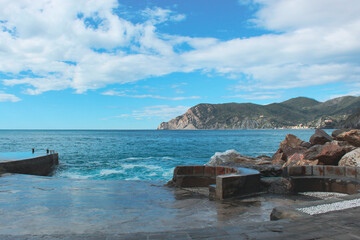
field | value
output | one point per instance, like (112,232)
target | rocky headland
(342,148)
(301,112)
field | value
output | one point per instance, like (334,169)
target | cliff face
(353,121)
(195,118)
(300,111)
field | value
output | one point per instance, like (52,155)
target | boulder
(297,159)
(278,158)
(348,147)
(320,137)
(277,185)
(262,160)
(219,158)
(337,132)
(328,154)
(352,137)
(285,213)
(263,157)
(291,144)
(351,159)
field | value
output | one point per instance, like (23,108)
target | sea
(144,155)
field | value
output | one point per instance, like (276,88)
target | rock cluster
(232,156)
(342,148)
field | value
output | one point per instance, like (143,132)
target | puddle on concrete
(39,205)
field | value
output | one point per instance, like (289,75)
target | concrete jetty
(29,163)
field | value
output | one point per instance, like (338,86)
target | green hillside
(300,111)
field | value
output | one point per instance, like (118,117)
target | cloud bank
(83,45)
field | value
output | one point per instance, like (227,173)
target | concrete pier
(28,163)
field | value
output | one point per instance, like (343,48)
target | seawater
(144,155)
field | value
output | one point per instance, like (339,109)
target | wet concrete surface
(32,205)
(12,156)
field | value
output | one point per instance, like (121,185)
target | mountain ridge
(299,112)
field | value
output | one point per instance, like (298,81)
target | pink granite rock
(352,137)
(328,154)
(320,137)
(351,159)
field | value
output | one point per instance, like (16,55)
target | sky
(131,64)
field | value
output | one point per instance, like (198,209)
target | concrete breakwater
(223,182)
(226,177)
(27,163)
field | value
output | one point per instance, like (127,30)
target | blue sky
(130,64)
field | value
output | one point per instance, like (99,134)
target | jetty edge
(27,163)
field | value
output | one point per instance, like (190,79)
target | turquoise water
(139,154)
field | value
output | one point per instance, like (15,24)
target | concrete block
(299,171)
(183,170)
(228,186)
(220,171)
(199,170)
(308,170)
(195,181)
(252,184)
(338,186)
(318,170)
(357,173)
(327,184)
(212,192)
(352,188)
(334,171)
(350,172)
(285,172)
(209,171)
(219,188)
(308,184)
(295,171)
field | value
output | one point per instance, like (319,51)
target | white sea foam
(131,166)
(222,157)
(133,178)
(168,174)
(106,172)
(72,175)
(138,158)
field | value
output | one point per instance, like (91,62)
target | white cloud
(314,42)
(177,85)
(49,33)
(287,15)
(160,111)
(5,97)
(305,53)
(163,112)
(123,94)
(158,15)
(257,96)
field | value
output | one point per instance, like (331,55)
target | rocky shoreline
(342,148)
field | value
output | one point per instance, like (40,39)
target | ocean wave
(73,175)
(138,158)
(131,166)
(106,172)
(135,178)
